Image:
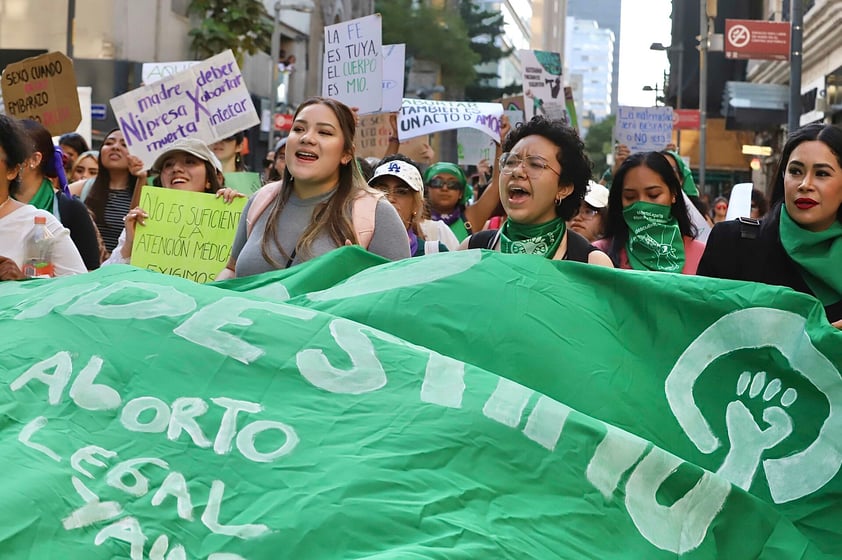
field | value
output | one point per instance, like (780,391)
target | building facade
(590,61)
(607,15)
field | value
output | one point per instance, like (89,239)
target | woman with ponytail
(41,168)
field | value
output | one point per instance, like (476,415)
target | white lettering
(210,517)
(246,437)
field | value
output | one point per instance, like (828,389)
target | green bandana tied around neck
(655,241)
(818,255)
(43,199)
(542,239)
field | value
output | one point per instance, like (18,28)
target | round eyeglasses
(533,166)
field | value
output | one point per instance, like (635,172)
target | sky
(643,22)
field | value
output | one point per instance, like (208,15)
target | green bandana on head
(818,254)
(542,239)
(655,241)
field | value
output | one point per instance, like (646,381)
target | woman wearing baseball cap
(188,165)
(400,180)
(589,221)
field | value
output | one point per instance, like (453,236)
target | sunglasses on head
(439,183)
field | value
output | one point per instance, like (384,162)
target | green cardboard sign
(246,182)
(187,234)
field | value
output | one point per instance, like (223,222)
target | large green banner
(462,405)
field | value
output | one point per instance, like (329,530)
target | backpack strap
(86,189)
(749,228)
(485,239)
(362,214)
(260,202)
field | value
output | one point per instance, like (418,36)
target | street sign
(282,121)
(757,39)
(686,119)
(99,111)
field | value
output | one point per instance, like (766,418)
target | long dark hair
(98,197)
(15,145)
(42,142)
(830,135)
(332,216)
(574,161)
(616,228)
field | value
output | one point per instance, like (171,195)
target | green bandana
(43,199)
(543,239)
(818,254)
(655,242)
(687,183)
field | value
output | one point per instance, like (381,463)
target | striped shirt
(116,209)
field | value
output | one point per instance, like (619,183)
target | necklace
(2,204)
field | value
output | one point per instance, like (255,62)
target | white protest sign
(543,92)
(739,205)
(473,146)
(426,116)
(353,63)
(393,67)
(208,101)
(644,129)
(151,72)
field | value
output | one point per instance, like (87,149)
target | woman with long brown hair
(321,204)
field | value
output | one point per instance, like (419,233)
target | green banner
(463,405)
(246,182)
(187,234)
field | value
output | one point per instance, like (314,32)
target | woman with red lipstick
(544,174)
(315,208)
(799,242)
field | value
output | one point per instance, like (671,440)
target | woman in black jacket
(799,243)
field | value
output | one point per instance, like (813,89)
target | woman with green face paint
(648,225)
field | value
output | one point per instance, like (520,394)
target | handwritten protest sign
(426,116)
(187,234)
(643,129)
(393,76)
(542,87)
(43,88)
(570,108)
(152,72)
(208,101)
(372,138)
(353,63)
(473,146)
(513,108)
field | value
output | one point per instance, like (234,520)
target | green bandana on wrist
(542,239)
(655,241)
(818,255)
(43,199)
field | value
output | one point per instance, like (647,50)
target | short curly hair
(576,166)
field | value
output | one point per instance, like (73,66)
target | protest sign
(372,137)
(570,108)
(426,116)
(208,101)
(43,88)
(187,234)
(643,129)
(542,87)
(152,72)
(473,146)
(353,63)
(393,76)
(246,182)
(513,108)
(199,431)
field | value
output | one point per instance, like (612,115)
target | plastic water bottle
(39,251)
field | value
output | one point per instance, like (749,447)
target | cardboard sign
(426,116)
(372,138)
(393,76)
(542,88)
(246,182)
(644,129)
(758,40)
(353,63)
(43,88)
(208,101)
(187,234)
(473,146)
(152,72)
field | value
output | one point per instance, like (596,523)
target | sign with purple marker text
(208,101)
(426,116)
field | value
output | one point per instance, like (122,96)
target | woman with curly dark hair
(544,173)
(649,226)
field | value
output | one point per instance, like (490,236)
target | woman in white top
(17,219)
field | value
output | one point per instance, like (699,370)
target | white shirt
(16,226)
(436,230)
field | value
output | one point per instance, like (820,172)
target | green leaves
(243,26)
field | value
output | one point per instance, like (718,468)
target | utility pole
(273,76)
(704,45)
(796,18)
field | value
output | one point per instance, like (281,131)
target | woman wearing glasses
(589,221)
(544,174)
(398,178)
(648,226)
